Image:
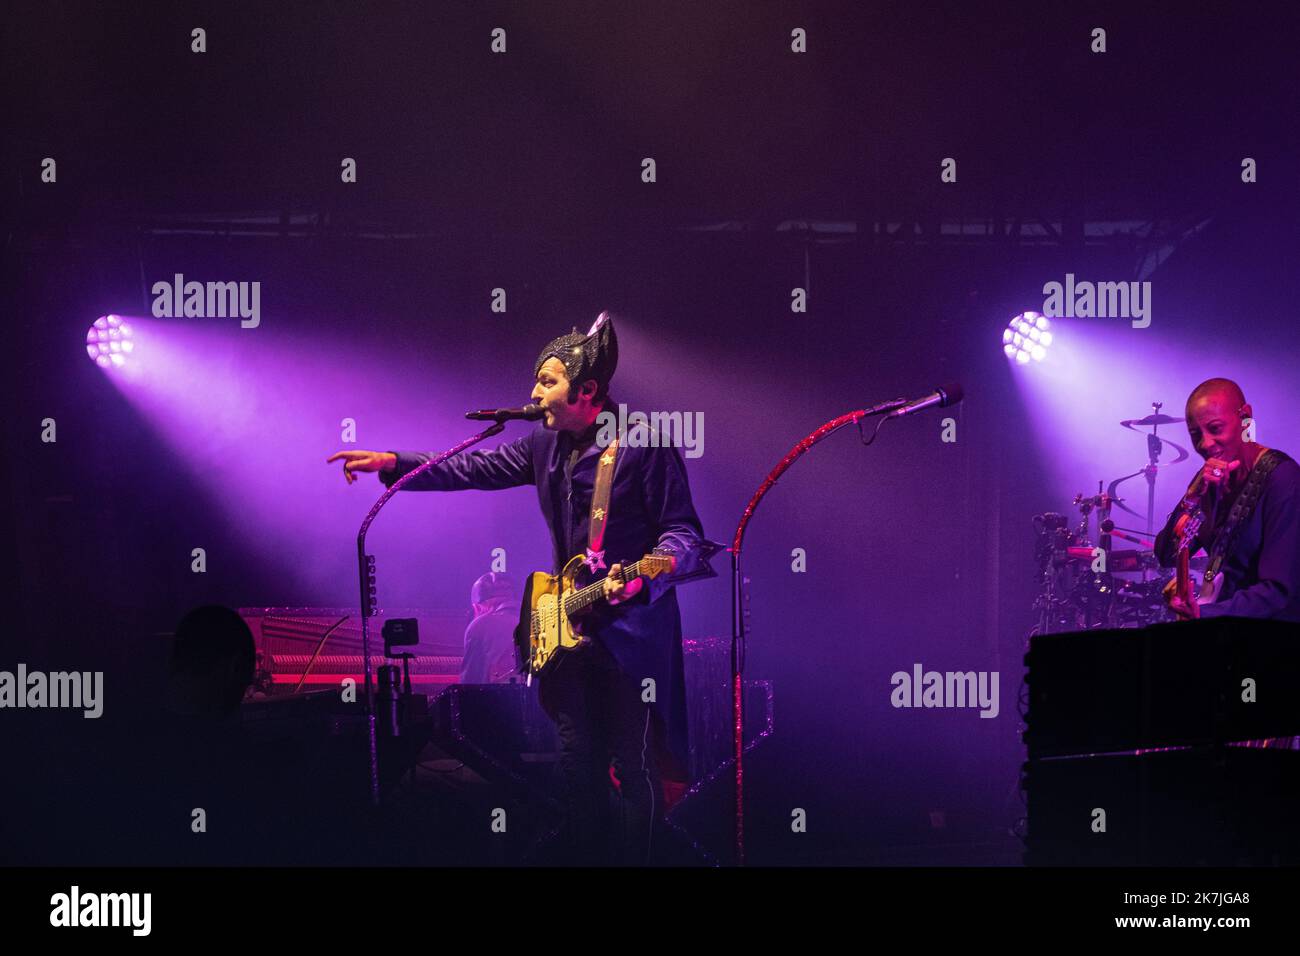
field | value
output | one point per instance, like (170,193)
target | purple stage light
(1026,338)
(108,340)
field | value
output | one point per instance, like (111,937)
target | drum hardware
(1155,447)
(1078,587)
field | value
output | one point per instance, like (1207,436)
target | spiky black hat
(594,355)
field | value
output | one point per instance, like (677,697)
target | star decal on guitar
(595,560)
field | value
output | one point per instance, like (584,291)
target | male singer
(619,703)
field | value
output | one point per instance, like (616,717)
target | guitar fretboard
(584,598)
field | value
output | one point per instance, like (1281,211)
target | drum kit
(1086,582)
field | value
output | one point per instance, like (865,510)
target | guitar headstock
(653,565)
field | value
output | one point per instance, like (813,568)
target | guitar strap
(1242,509)
(595,559)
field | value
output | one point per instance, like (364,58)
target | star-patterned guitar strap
(595,559)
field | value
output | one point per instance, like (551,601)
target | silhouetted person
(211,664)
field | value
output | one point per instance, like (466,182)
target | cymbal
(1134,424)
(1157,419)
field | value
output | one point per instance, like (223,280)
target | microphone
(943,397)
(529,413)
(881,407)
(1108,527)
(1194,493)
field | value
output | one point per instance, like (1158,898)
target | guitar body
(544,630)
(553,602)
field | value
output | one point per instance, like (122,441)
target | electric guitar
(1185,530)
(547,625)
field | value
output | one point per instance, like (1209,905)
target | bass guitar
(1186,528)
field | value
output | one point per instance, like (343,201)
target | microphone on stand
(882,407)
(529,413)
(943,396)
(1108,527)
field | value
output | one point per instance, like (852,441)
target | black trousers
(609,778)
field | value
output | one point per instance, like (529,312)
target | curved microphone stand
(739,599)
(366,563)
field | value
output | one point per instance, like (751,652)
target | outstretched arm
(505,466)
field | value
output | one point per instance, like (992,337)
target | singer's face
(552,393)
(1214,424)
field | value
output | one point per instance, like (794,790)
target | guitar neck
(1185,530)
(584,598)
(1182,585)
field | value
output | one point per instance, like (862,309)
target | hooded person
(490,638)
(624,693)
